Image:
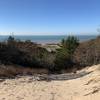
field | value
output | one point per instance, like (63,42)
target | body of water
(48,39)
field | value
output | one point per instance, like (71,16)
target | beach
(86,87)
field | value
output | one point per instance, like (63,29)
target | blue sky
(49,17)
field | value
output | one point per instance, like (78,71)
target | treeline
(71,54)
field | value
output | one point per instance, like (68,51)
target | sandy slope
(25,88)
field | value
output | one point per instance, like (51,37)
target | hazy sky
(49,16)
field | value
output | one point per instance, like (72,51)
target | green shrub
(65,53)
(70,44)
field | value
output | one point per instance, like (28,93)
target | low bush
(26,54)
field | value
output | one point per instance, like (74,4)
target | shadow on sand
(49,77)
(60,77)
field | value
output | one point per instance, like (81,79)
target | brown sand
(25,88)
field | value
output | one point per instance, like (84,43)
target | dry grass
(12,71)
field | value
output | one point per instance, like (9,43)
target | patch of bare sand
(25,88)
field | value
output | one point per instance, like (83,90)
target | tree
(65,53)
(70,44)
(11,41)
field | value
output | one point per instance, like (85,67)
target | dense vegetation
(88,53)
(71,54)
(26,54)
(64,55)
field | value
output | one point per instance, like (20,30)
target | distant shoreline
(47,39)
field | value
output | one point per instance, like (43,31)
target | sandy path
(24,88)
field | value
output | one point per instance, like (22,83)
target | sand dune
(86,87)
